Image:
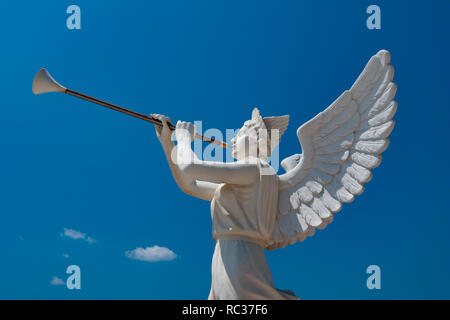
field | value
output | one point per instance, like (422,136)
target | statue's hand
(163,133)
(185,131)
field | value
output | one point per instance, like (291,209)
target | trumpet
(43,82)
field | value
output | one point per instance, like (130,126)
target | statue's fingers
(166,120)
(158,128)
(156,116)
(160,117)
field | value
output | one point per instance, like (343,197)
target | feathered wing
(340,147)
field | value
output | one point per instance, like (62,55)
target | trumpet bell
(43,82)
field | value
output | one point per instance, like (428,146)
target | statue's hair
(269,128)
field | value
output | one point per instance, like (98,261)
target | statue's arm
(200,189)
(191,168)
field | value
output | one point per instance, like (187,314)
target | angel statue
(253,208)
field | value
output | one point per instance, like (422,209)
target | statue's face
(245,143)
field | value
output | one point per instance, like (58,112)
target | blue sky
(69,164)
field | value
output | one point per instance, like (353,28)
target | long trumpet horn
(43,82)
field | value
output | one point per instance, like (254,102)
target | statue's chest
(243,194)
(235,200)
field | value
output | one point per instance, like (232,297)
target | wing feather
(331,169)
(338,157)
(372,146)
(366,160)
(321,177)
(361,174)
(380,118)
(343,144)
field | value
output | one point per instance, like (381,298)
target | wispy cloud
(57,281)
(75,234)
(151,254)
(66,255)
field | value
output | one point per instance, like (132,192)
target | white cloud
(57,281)
(75,234)
(66,255)
(90,240)
(151,254)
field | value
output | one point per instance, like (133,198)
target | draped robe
(243,218)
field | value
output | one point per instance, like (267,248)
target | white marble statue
(254,209)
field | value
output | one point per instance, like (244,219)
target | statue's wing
(340,147)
